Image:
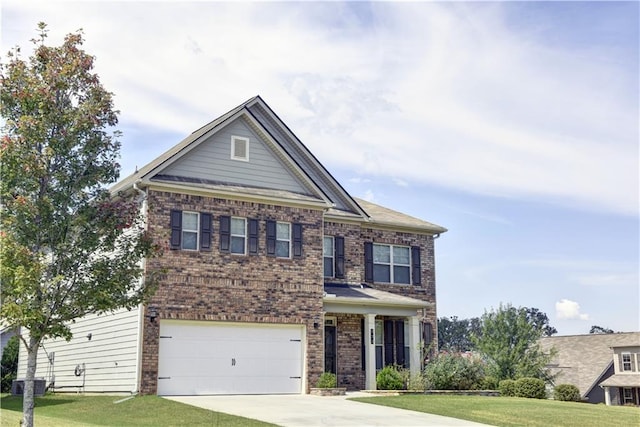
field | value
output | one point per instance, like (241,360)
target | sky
(512,124)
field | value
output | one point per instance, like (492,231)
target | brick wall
(218,286)
(355,237)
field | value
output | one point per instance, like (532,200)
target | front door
(330,346)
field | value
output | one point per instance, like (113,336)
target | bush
(507,388)
(389,378)
(327,380)
(532,388)
(566,393)
(9,364)
(454,372)
(416,382)
(489,383)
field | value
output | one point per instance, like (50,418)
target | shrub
(507,388)
(416,382)
(327,380)
(532,388)
(489,383)
(389,378)
(454,372)
(566,393)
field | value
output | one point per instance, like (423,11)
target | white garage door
(221,358)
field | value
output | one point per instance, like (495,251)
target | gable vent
(240,148)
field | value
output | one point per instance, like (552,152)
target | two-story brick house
(273,274)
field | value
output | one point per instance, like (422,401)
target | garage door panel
(218,358)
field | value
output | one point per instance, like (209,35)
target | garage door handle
(233,362)
(164,378)
(293,378)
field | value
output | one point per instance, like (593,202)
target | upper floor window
(284,240)
(626,362)
(240,148)
(190,230)
(392,264)
(333,255)
(328,256)
(238,235)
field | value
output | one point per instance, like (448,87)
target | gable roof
(582,359)
(317,186)
(257,114)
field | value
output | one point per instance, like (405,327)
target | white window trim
(235,138)
(289,241)
(332,256)
(391,263)
(197,231)
(232,235)
(630,362)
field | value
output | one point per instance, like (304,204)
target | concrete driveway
(306,410)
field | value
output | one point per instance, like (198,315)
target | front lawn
(57,410)
(514,411)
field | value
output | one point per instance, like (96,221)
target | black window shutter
(415,265)
(427,333)
(206,228)
(271,238)
(362,344)
(225,233)
(400,343)
(176,228)
(297,240)
(253,236)
(388,343)
(368,262)
(339,256)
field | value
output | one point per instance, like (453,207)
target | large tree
(454,335)
(68,247)
(509,343)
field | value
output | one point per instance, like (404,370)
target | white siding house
(102,356)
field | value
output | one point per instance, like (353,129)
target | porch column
(370,351)
(607,396)
(415,352)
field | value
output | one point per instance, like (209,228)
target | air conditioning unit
(39,387)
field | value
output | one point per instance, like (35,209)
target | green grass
(513,411)
(72,410)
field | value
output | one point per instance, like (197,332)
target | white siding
(212,161)
(110,357)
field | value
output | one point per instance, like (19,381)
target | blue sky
(513,124)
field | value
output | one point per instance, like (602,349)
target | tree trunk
(28,401)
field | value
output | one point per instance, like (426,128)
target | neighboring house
(273,274)
(587,360)
(5,335)
(623,387)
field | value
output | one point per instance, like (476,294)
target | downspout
(143,206)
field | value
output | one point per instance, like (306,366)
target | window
(379,343)
(238,235)
(626,362)
(283,239)
(628,396)
(240,148)
(190,230)
(391,264)
(392,342)
(328,255)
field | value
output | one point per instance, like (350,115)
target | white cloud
(441,93)
(569,310)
